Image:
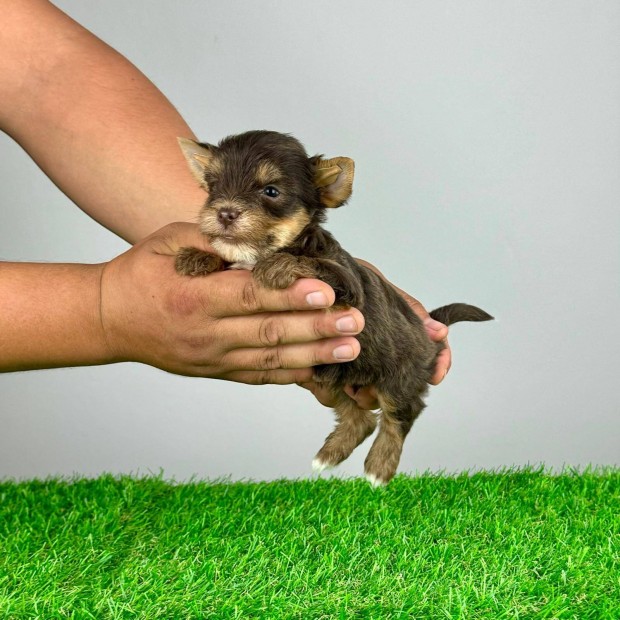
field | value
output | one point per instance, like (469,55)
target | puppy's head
(263,190)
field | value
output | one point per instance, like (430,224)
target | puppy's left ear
(334,178)
(198,156)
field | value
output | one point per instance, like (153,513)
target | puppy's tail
(454,313)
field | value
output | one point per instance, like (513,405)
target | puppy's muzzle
(227,216)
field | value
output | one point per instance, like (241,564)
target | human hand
(222,325)
(366,397)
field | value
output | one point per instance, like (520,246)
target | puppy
(266,202)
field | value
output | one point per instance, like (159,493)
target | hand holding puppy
(223,327)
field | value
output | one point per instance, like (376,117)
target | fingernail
(317,299)
(343,352)
(346,325)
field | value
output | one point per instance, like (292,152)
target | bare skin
(106,137)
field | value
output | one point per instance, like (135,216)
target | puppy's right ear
(198,156)
(334,179)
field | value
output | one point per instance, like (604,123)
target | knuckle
(249,297)
(264,378)
(167,236)
(271,332)
(318,327)
(171,230)
(271,359)
(319,355)
(194,343)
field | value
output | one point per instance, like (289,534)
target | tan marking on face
(267,172)
(227,203)
(286,231)
(208,217)
(246,239)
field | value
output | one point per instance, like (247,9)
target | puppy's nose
(227,216)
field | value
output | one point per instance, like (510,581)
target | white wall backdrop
(486,136)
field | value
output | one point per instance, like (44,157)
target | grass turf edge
(503,544)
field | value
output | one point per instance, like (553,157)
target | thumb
(167,241)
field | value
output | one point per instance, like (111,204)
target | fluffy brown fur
(267,200)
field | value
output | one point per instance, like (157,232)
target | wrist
(50,316)
(111,316)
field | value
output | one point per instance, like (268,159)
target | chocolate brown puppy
(266,202)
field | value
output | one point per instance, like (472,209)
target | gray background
(487,142)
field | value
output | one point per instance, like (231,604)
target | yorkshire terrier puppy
(266,202)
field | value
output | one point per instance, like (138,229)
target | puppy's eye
(271,191)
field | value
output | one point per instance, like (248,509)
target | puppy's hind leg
(382,460)
(353,425)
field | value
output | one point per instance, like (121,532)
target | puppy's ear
(198,156)
(334,178)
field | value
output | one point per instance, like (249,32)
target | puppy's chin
(235,251)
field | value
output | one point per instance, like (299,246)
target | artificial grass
(513,544)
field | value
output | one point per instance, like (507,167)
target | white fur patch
(318,465)
(234,252)
(248,266)
(374,481)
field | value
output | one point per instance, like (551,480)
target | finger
(323,394)
(365,397)
(414,304)
(235,293)
(436,331)
(331,351)
(170,239)
(277,328)
(273,377)
(442,366)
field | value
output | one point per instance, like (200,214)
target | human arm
(108,138)
(102,132)
(49,316)
(94,124)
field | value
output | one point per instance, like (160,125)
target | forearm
(95,125)
(49,316)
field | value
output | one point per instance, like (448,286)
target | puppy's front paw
(195,262)
(280,270)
